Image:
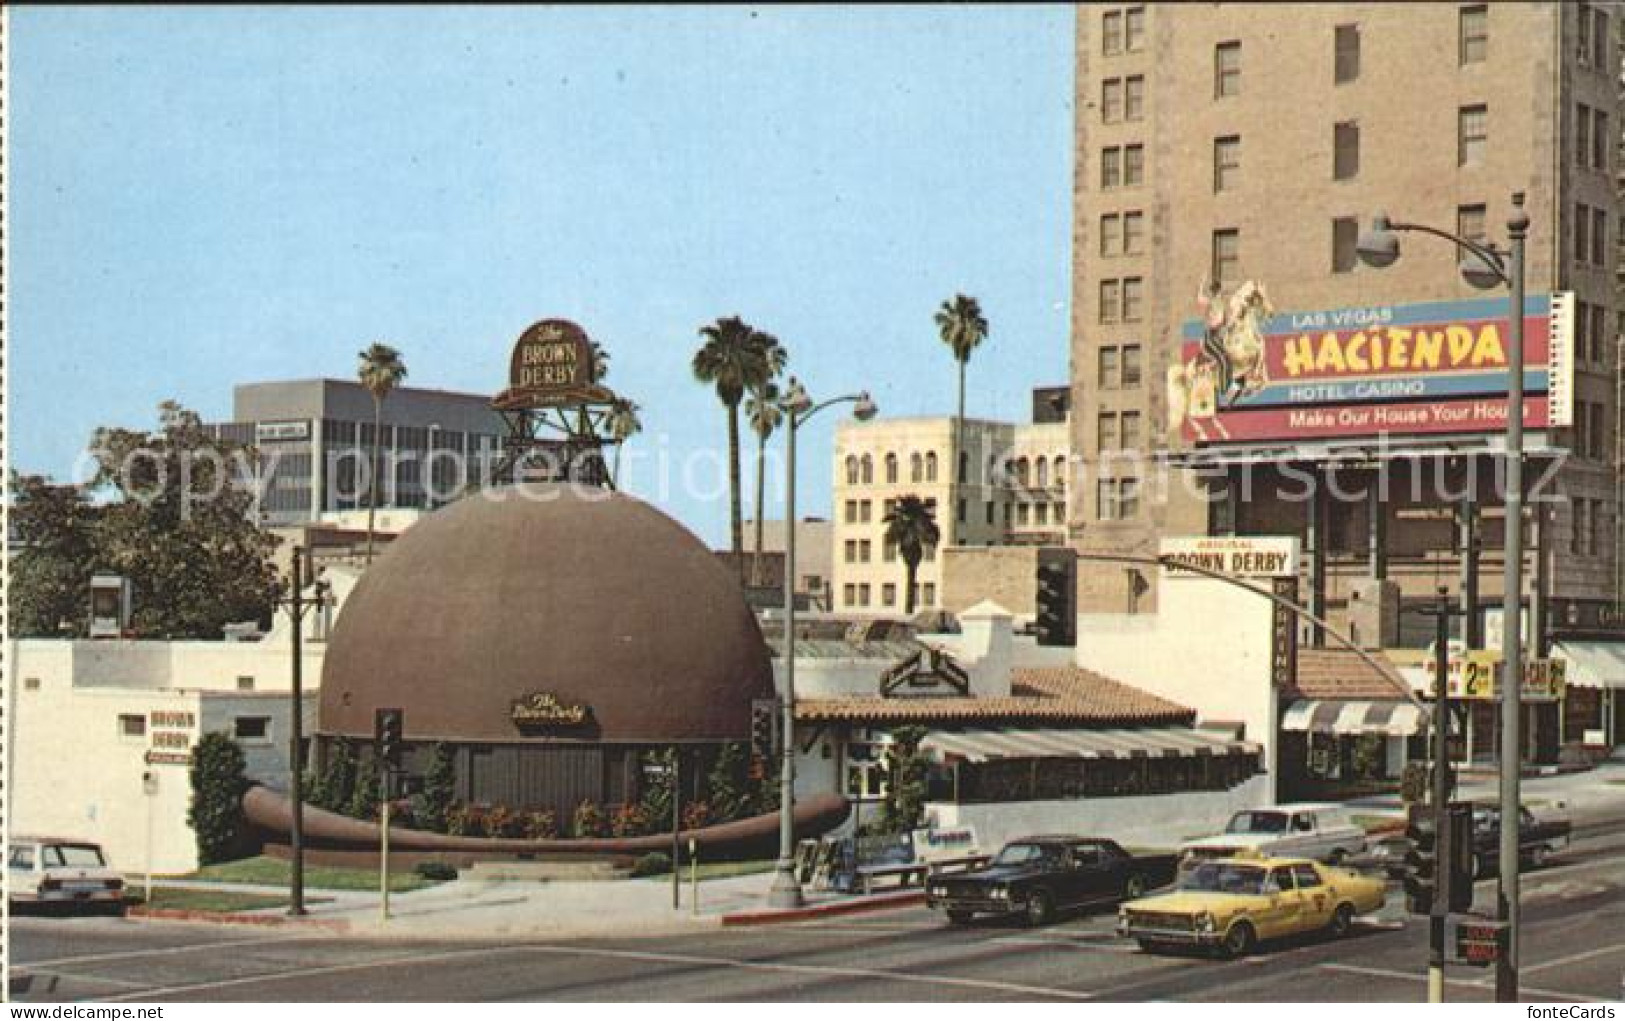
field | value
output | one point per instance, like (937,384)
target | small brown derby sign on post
(543,709)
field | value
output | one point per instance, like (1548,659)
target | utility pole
(1438,912)
(297,606)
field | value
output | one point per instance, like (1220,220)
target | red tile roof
(1341,674)
(1066,694)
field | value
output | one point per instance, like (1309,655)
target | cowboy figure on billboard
(1231,365)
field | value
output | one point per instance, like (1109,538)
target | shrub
(336,785)
(905,791)
(364,798)
(503,821)
(540,824)
(629,820)
(653,864)
(465,820)
(438,871)
(727,785)
(696,815)
(432,806)
(218,783)
(588,821)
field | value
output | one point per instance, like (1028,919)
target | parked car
(1231,904)
(49,870)
(1538,837)
(1321,832)
(1037,876)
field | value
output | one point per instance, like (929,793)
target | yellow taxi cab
(1230,904)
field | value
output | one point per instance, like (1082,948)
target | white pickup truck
(1289,831)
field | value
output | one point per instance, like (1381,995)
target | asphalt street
(1574,950)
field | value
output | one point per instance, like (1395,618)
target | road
(1574,949)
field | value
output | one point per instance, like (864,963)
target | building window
(1599,434)
(252,728)
(132,725)
(887,507)
(864,510)
(867,464)
(1111,33)
(1131,365)
(1111,297)
(1599,236)
(990,512)
(964,467)
(1472,134)
(1134,29)
(851,512)
(1598,529)
(1599,334)
(1582,331)
(1345,150)
(916,468)
(931,466)
(1581,510)
(1599,38)
(928,595)
(888,594)
(864,549)
(1111,167)
(1346,55)
(930,552)
(1041,515)
(1474,34)
(1128,497)
(959,512)
(863,593)
(888,551)
(1109,376)
(1131,430)
(1060,469)
(1345,236)
(1133,233)
(1470,222)
(891,468)
(1582,232)
(851,470)
(1106,432)
(1133,299)
(1600,140)
(1227,70)
(849,594)
(1111,100)
(1582,135)
(1134,97)
(245,683)
(1111,234)
(1133,164)
(1226,162)
(1226,265)
(1106,500)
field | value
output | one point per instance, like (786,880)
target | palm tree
(600,362)
(735,358)
(381,372)
(623,425)
(765,413)
(911,526)
(963,328)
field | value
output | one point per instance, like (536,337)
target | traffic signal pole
(1438,910)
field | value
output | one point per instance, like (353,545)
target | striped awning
(1333,716)
(1593,664)
(1149,742)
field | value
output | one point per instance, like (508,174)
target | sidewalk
(1589,796)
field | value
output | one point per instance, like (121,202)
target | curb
(238,918)
(849,907)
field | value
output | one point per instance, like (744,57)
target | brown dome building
(551,635)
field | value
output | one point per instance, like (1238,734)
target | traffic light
(1421,861)
(389,735)
(1056,618)
(761,729)
(1461,856)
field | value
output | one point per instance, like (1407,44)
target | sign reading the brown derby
(543,709)
(552,363)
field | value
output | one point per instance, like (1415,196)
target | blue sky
(201,197)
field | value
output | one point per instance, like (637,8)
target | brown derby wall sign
(552,365)
(542,709)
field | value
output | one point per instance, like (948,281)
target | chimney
(986,643)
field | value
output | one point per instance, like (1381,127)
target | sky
(201,197)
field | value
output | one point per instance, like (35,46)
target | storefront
(1345,728)
(1594,705)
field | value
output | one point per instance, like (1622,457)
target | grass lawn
(276,872)
(207,900)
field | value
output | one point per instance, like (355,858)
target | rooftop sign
(553,364)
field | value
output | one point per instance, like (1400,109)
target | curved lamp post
(798,407)
(1484,266)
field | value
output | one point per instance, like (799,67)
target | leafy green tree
(381,371)
(218,782)
(176,517)
(904,804)
(734,357)
(364,797)
(911,526)
(727,783)
(54,557)
(431,808)
(337,782)
(963,328)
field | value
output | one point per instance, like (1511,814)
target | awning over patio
(1389,718)
(1159,742)
(1593,664)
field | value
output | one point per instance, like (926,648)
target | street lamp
(1484,266)
(798,407)
(296,605)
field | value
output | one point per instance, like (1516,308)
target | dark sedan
(1037,876)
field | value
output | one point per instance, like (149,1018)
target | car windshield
(80,856)
(1020,854)
(1257,822)
(1222,877)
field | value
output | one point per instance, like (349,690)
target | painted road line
(126,955)
(82,976)
(1575,958)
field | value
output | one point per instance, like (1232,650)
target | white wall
(1207,647)
(1157,820)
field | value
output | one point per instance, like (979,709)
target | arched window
(1043,474)
(1060,469)
(964,467)
(916,468)
(868,469)
(891,468)
(1022,472)
(931,466)
(851,469)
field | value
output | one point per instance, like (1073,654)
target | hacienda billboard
(1248,373)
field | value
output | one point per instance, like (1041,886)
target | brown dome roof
(592,597)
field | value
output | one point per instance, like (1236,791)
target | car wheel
(1239,940)
(1342,920)
(1134,888)
(961,917)
(1039,908)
